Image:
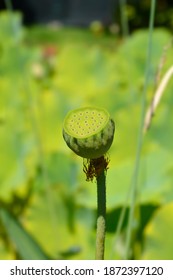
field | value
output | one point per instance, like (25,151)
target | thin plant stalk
(120,223)
(124,19)
(101,216)
(140,136)
(8,4)
(35,127)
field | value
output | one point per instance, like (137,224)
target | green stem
(8,4)
(124,18)
(140,137)
(101,216)
(34,123)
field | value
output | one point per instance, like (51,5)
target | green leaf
(10,27)
(26,246)
(48,219)
(158,235)
(62,170)
(154,183)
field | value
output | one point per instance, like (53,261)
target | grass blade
(26,246)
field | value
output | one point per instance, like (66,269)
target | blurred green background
(47,209)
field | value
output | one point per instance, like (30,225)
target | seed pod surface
(88,131)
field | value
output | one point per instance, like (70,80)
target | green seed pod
(88,131)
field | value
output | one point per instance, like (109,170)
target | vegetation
(47,209)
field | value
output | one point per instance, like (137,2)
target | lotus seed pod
(89,131)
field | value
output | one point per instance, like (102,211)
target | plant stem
(140,137)
(101,215)
(34,123)
(124,19)
(8,4)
